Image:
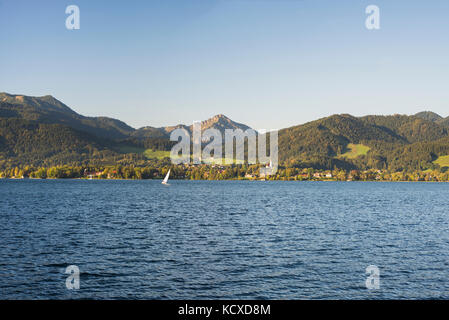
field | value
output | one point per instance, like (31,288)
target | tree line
(209,172)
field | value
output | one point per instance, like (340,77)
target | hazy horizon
(267,64)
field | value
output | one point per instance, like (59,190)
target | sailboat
(166,178)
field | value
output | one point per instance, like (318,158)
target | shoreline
(251,180)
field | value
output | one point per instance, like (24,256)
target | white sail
(166,177)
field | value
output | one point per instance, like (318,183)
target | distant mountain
(434,117)
(429,115)
(444,122)
(47,109)
(44,104)
(219,122)
(409,128)
(149,132)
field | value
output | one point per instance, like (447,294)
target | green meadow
(354,151)
(148,153)
(156,154)
(442,161)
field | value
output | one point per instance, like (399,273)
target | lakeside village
(218,172)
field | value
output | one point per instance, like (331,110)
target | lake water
(223,240)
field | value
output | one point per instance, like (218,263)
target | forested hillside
(43,131)
(30,142)
(323,143)
(50,110)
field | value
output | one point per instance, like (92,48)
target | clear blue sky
(269,64)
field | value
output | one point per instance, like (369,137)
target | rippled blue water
(223,240)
